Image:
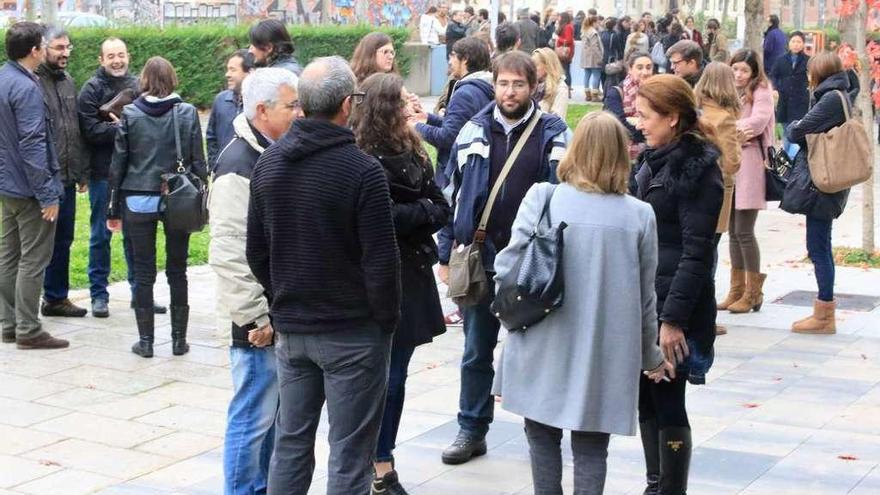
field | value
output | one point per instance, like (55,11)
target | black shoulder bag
(184,202)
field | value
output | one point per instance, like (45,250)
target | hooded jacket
(470,95)
(320,236)
(682,183)
(28,165)
(59,92)
(98,133)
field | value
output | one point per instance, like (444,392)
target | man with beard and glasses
(467,181)
(227,105)
(271,46)
(59,93)
(110,79)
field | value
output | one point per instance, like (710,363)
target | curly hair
(380,121)
(363,61)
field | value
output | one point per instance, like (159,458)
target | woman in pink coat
(755,127)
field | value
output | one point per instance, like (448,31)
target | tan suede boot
(596,97)
(588,95)
(753,298)
(822,321)
(737,288)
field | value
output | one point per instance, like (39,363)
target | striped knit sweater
(320,234)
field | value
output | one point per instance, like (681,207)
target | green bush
(199,52)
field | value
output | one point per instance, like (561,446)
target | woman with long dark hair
(565,45)
(373,54)
(145,149)
(679,177)
(419,208)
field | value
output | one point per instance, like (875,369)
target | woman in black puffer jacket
(419,209)
(830,93)
(144,151)
(679,177)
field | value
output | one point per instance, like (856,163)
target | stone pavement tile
(181,445)
(23,388)
(728,406)
(809,472)
(772,316)
(748,338)
(438,376)
(176,369)
(415,423)
(67,482)
(18,440)
(747,388)
(870,398)
(30,366)
(78,397)
(17,470)
(826,390)
(863,348)
(121,382)
(837,445)
(123,408)
(108,431)
(101,459)
(117,359)
(729,468)
(823,344)
(759,438)
(442,436)
(108,339)
(794,413)
(210,486)
(417,464)
(493,479)
(191,394)
(183,474)
(22,413)
(851,369)
(198,353)
(132,488)
(439,400)
(189,419)
(869,485)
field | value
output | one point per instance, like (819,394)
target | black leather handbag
(534,287)
(184,202)
(777,170)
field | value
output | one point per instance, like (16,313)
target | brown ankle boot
(737,288)
(753,298)
(588,95)
(822,321)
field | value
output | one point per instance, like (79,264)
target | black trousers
(141,229)
(663,401)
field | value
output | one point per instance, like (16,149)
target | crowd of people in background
(325,208)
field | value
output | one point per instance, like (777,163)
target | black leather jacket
(145,148)
(97,132)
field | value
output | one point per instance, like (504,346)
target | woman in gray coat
(578,369)
(591,58)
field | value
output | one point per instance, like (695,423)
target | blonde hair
(598,158)
(550,61)
(717,84)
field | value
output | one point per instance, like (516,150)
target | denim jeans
(250,422)
(397,372)
(99,243)
(476,404)
(590,451)
(592,78)
(349,370)
(819,251)
(57,281)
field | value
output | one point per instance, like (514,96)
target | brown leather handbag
(115,106)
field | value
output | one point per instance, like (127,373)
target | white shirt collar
(508,127)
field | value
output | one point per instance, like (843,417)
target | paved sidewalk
(781,414)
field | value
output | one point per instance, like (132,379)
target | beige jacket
(558,103)
(724,123)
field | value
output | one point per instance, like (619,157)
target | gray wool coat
(578,369)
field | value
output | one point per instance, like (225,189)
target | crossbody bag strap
(180,168)
(487,211)
(845,102)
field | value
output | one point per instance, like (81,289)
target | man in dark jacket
(110,80)
(528,31)
(455,30)
(775,42)
(227,105)
(272,46)
(30,190)
(60,96)
(469,64)
(476,160)
(686,61)
(320,240)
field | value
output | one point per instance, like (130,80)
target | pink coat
(760,117)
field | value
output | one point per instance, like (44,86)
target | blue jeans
(57,281)
(397,371)
(593,78)
(819,250)
(99,243)
(250,432)
(476,404)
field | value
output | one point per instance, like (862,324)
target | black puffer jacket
(145,148)
(682,182)
(59,93)
(419,210)
(98,133)
(825,114)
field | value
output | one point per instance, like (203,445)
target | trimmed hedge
(199,52)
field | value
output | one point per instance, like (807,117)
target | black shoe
(388,485)
(100,308)
(463,449)
(157,309)
(146,320)
(63,308)
(8,338)
(675,460)
(179,321)
(651,445)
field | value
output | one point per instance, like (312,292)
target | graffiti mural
(396,13)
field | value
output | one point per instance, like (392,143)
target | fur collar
(681,165)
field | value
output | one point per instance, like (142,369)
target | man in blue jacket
(476,160)
(30,190)
(227,105)
(775,43)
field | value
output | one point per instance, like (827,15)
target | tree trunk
(798,14)
(754,24)
(852,31)
(724,11)
(50,12)
(822,5)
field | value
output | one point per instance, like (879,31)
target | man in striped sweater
(320,239)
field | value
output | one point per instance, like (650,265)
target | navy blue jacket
(775,45)
(226,107)
(28,164)
(470,95)
(791,83)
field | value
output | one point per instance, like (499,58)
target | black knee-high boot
(651,445)
(179,321)
(675,459)
(146,323)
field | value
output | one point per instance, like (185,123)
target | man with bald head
(320,240)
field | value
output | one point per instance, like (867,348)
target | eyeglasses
(61,48)
(358,98)
(294,105)
(674,63)
(517,86)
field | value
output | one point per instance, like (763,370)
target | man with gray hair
(686,61)
(528,31)
(320,239)
(270,102)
